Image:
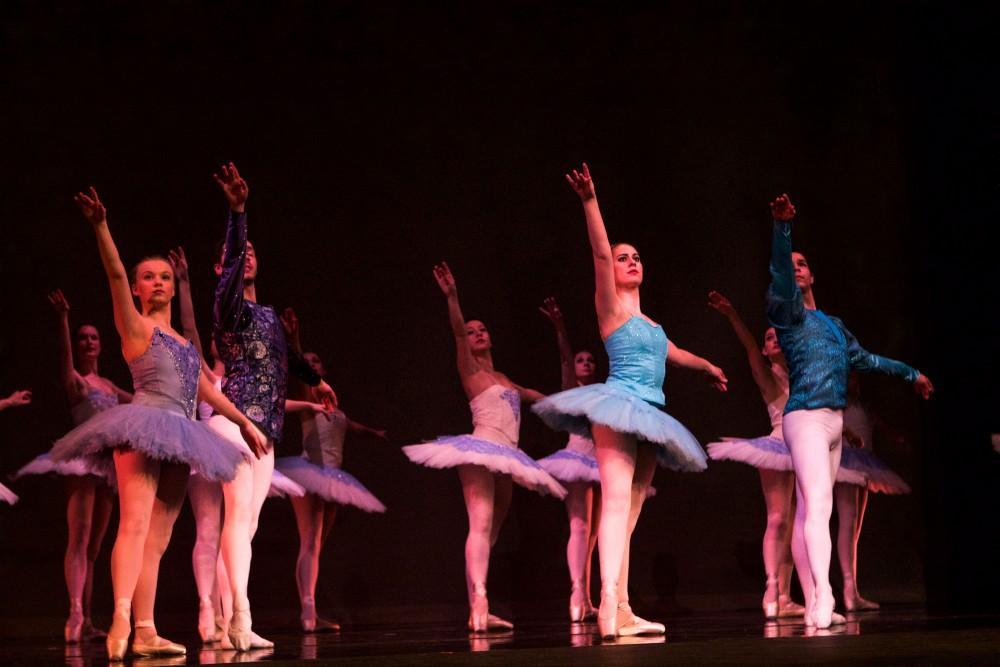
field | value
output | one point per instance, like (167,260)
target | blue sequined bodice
(166,375)
(637,351)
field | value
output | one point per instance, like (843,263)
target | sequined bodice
(166,375)
(323,438)
(256,360)
(496,415)
(95,401)
(637,351)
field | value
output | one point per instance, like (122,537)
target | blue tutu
(879,477)
(329,483)
(158,433)
(575,409)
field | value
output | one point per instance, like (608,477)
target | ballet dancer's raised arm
(550,309)
(189,324)
(72,382)
(760,366)
(610,312)
(785,304)
(467,365)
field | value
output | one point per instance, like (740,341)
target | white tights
(88,509)
(778,487)
(583,508)
(813,436)
(314,517)
(851,501)
(487,499)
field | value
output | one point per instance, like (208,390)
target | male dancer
(251,343)
(820,352)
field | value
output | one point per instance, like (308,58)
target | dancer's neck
(250,291)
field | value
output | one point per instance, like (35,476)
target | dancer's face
(315,363)
(249,269)
(771,349)
(585,367)
(88,342)
(154,282)
(628,266)
(803,275)
(478,336)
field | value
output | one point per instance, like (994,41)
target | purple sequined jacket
(251,342)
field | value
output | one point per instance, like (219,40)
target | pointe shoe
(859,604)
(122,617)
(635,625)
(822,609)
(311,622)
(207,629)
(578,603)
(74,624)
(479,614)
(155,645)
(239,629)
(788,609)
(769,604)
(496,624)
(607,615)
(90,632)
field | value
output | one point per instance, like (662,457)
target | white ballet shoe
(634,625)
(822,609)
(155,645)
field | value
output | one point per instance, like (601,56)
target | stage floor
(897,635)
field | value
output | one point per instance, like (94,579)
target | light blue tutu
(575,409)
(569,466)
(158,433)
(454,450)
(880,478)
(329,483)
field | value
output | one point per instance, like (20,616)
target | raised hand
(59,302)
(923,386)
(550,309)
(256,441)
(18,399)
(326,395)
(91,207)
(782,208)
(290,322)
(179,263)
(582,183)
(233,187)
(717,378)
(720,303)
(445,280)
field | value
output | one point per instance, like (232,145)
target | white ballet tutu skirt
(44,465)
(771,453)
(878,476)
(329,483)
(608,404)
(7,496)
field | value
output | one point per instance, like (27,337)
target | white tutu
(608,404)
(331,484)
(43,465)
(451,451)
(878,477)
(7,496)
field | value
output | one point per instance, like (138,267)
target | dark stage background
(378,139)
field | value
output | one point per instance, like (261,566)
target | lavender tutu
(159,422)
(282,487)
(878,476)
(44,465)
(575,409)
(567,466)
(771,453)
(329,483)
(7,496)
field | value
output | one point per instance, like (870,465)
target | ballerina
(576,468)
(205,495)
(488,459)
(252,346)
(625,413)
(771,458)
(17,399)
(819,351)
(153,440)
(89,494)
(318,471)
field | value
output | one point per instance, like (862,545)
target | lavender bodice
(95,401)
(165,376)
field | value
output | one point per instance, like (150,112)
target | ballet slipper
(155,644)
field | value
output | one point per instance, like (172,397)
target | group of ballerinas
(150,447)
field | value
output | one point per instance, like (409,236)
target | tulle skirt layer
(454,450)
(44,465)
(567,466)
(157,433)
(771,453)
(575,409)
(880,478)
(330,484)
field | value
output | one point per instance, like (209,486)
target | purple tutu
(44,465)
(329,483)
(567,466)
(878,476)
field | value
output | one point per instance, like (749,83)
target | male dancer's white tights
(814,436)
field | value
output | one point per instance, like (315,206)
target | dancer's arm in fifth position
(189,325)
(474,377)
(551,310)
(760,367)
